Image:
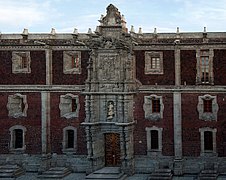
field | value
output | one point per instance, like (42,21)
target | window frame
(18,62)
(148,107)
(202,68)
(12,147)
(153,62)
(207,116)
(66,106)
(66,149)
(208,152)
(17,110)
(68,62)
(153,151)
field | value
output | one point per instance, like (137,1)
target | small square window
(153,63)
(21,62)
(72,62)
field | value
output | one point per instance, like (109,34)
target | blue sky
(39,16)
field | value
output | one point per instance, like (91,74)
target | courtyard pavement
(81,176)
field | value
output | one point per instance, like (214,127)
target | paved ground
(81,176)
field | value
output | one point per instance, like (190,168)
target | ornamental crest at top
(113,18)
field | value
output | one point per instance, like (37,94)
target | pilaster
(178,162)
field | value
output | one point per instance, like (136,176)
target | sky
(39,16)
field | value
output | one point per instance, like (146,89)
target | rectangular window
(24,62)
(70,139)
(207,105)
(21,62)
(154,139)
(204,65)
(73,105)
(72,62)
(18,134)
(153,62)
(208,141)
(155,105)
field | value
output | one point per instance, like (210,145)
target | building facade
(138,101)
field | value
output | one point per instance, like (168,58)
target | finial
(53,31)
(75,31)
(89,31)
(101,17)
(97,29)
(204,30)
(132,30)
(155,30)
(25,31)
(123,18)
(140,31)
(178,30)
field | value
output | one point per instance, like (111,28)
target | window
(69,139)
(17,105)
(21,62)
(69,106)
(153,107)
(154,140)
(207,107)
(17,140)
(204,67)
(153,63)
(208,140)
(72,62)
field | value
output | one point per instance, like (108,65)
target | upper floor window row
(21,62)
(153,62)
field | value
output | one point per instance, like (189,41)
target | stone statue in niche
(110,110)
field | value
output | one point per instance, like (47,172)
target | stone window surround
(65,107)
(148,108)
(64,143)
(67,57)
(12,139)
(148,134)
(17,61)
(148,62)
(15,113)
(210,54)
(208,152)
(207,116)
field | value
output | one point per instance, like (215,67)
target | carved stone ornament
(113,17)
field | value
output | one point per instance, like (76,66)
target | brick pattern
(167,78)
(219,67)
(191,125)
(32,123)
(140,140)
(68,79)
(58,124)
(38,69)
(188,67)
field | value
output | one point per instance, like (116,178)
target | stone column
(178,162)
(177,66)
(48,65)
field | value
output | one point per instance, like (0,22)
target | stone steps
(10,171)
(208,174)
(107,173)
(161,174)
(55,173)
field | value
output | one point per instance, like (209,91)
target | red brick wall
(60,78)
(188,67)
(58,124)
(149,79)
(38,69)
(32,123)
(219,64)
(191,125)
(140,148)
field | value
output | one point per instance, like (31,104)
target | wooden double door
(112,149)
